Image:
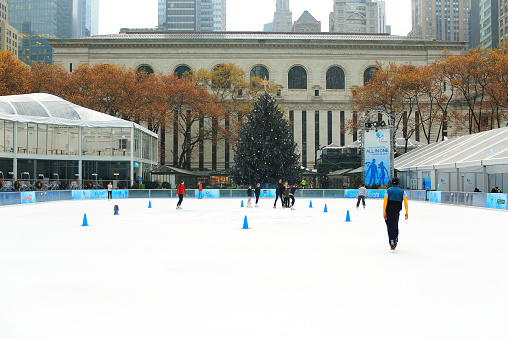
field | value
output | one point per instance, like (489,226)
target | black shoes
(393,244)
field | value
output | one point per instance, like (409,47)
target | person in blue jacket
(392,206)
(292,195)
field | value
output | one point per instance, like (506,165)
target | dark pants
(292,200)
(392,224)
(110,195)
(278,195)
(362,198)
(257,199)
(180,199)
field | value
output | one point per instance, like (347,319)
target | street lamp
(96,181)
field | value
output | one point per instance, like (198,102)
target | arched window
(180,70)
(297,78)
(145,68)
(368,75)
(259,72)
(335,78)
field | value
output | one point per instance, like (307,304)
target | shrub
(166,185)
(151,184)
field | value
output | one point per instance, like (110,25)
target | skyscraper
(282,18)
(192,15)
(85,18)
(39,20)
(489,31)
(474,24)
(503,20)
(358,16)
(381,14)
(440,19)
(9,36)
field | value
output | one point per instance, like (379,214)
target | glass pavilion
(462,164)
(44,135)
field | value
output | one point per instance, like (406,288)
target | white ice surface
(195,273)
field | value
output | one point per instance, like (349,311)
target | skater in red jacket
(180,190)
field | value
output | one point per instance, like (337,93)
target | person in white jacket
(362,194)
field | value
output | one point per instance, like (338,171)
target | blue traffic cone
(326,209)
(245,224)
(149,204)
(85,222)
(348,219)
(241,204)
(310,206)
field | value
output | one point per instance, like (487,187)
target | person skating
(292,195)
(392,206)
(180,190)
(278,193)
(200,190)
(285,204)
(257,191)
(249,196)
(110,191)
(362,194)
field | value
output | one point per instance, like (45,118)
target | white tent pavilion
(44,134)
(458,164)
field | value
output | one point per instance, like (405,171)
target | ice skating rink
(195,273)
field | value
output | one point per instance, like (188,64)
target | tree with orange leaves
(98,87)
(468,74)
(192,111)
(497,88)
(435,101)
(52,79)
(14,75)
(394,89)
(236,95)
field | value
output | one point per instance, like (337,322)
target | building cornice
(145,41)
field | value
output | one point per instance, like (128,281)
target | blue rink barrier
(371,194)
(485,200)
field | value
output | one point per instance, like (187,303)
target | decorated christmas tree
(265,151)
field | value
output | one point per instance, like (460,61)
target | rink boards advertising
(377,151)
(99,194)
(371,194)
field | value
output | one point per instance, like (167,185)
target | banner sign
(208,193)
(265,194)
(377,150)
(98,194)
(28,197)
(371,194)
(435,196)
(497,200)
(426,183)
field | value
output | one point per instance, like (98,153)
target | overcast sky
(241,15)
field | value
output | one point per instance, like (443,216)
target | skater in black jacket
(278,193)
(257,191)
(249,196)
